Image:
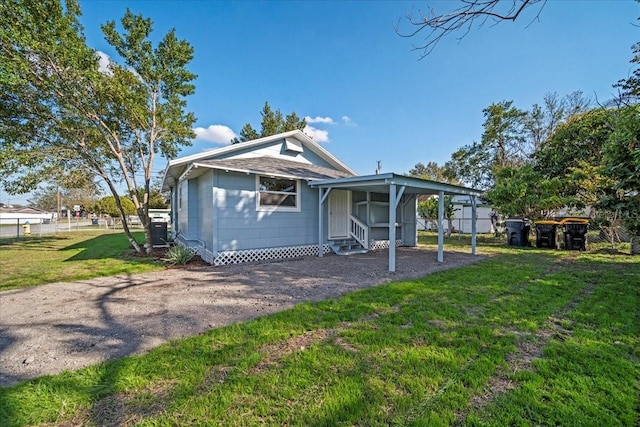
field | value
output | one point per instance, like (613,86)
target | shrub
(179,255)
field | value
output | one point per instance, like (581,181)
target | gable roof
(272,166)
(177,167)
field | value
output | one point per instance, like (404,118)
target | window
(277,194)
(182,190)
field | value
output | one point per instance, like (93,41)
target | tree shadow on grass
(104,246)
(44,243)
(114,336)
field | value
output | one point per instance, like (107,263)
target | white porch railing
(359,231)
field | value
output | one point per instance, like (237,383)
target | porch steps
(347,247)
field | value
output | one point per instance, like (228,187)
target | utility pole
(58,207)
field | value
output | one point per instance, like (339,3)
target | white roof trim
(297,134)
(393,178)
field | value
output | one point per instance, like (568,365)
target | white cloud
(318,119)
(318,135)
(215,133)
(103,62)
(346,120)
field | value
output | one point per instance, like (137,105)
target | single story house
(26,215)
(463,221)
(286,196)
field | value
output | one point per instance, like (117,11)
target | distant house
(286,196)
(26,214)
(463,207)
(463,214)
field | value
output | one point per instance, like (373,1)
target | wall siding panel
(240,226)
(194,214)
(205,194)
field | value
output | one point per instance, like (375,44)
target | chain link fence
(613,238)
(598,238)
(593,237)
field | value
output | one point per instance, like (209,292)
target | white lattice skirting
(382,244)
(264,254)
(249,255)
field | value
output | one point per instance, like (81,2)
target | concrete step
(346,247)
(351,251)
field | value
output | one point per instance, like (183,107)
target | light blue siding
(409,214)
(195,211)
(183,207)
(194,216)
(206,219)
(240,226)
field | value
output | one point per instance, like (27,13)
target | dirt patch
(66,326)
(121,409)
(275,352)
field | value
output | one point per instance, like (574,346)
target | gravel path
(66,326)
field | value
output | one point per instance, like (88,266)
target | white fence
(37,226)
(10,218)
(460,225)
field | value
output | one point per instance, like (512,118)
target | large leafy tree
(541,121)
(157,200)
(273,122)
(432,171)
(564,171)
(54,197)
(621,164)
(502,145)
(65,188)
(621,156)
(573,153)
(59,108)
(428,209)
(511,138)
(42,53)
(523,191)
(580,138)
(108,206)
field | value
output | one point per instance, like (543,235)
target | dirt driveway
(66,326)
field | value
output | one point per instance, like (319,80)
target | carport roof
(380,184)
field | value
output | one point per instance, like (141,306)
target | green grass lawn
(33,260)
(526,337)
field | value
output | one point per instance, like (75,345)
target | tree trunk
(635,245)
(147,237)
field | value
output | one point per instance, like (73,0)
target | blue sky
(341,62)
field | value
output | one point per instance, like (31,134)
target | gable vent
(293,145)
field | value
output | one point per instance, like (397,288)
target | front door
(339,210)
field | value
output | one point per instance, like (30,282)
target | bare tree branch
(437,26)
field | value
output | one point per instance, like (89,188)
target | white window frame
(181,188)
(273,208)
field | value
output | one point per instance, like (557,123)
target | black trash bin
(159,234)
(94,221)
(518,230)
(546,234)
(575,233)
